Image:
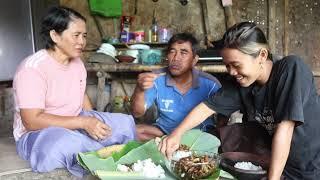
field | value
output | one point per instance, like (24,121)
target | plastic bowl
(229,159)
(198,166)
(150,56)
(125,58)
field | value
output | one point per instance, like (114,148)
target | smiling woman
(278,94)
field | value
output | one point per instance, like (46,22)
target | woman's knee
(56,140)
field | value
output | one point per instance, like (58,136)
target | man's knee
(148,129)
(141,128)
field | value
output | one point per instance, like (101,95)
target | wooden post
(205,22)
(229,16)
(272,25)
(227,5)
(2,101)
(100,89)
(285,28)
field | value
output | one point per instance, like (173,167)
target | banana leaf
(200,141)
(127,148)
(91,160)
(107,175)
(145,151)
(226,175)
(105,168)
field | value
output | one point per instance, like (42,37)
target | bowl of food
(245,166)
(192,164)
(125,58)
(130,55)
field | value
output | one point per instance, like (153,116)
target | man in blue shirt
(175,90)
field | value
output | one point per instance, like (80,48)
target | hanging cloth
(107,8)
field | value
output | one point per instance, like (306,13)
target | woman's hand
(281,144)
(169,145)
(95,128)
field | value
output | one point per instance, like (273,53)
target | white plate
(139,46)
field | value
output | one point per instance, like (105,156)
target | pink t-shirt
(41,82)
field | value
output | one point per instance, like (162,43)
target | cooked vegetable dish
(194,166)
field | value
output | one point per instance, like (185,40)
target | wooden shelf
(152,45)
(127,67)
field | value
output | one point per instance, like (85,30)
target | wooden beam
(118,68)
(205,22)
(272,25)
(227,6)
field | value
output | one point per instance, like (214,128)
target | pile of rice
(247,166)
(146,167)
(180,154)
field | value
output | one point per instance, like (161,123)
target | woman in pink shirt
(54,118)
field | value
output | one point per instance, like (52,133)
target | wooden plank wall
(292,26)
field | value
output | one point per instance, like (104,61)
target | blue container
(150,56)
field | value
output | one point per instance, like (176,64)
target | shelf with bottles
(152,45)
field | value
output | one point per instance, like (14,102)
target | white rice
(247,166)
(180,154)
(146,167)
(123,168)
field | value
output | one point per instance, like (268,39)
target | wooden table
(104,71)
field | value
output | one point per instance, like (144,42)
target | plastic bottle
(154,31)
(147,34)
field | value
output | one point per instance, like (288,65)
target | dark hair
(185,37)
(247,37)
(57,19)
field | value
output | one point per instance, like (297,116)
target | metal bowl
(130,52)
(125,58)
(229,159)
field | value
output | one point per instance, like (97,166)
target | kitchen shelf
(152,45)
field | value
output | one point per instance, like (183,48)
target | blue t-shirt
(172,105)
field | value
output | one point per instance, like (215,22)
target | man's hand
(95,128)
(145,80)
(169,145)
